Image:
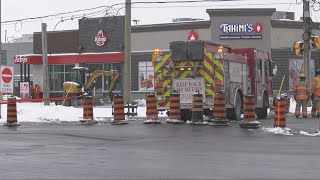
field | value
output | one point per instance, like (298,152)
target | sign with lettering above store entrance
(231,31)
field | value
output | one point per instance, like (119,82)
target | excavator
(80,84)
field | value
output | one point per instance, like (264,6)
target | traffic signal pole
(306,38)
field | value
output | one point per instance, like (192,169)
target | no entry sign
(6,79)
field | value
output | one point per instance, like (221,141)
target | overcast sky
(146,13)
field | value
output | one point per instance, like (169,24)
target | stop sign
(6,75)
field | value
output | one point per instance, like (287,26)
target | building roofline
(171,26)
(72,30)
(292,24)
(241,12)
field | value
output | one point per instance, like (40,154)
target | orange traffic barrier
(249,121)
(219,110)
(174,114)
(152,111)
(280,113)
(118,107)
(12,112)
(87,109)
(197,108)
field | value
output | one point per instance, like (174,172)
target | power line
(55,15)
(117,4)
(106,10)
(218,5)
(289,5)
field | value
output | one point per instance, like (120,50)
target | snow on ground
(308,134)
(38,112)
(284,131)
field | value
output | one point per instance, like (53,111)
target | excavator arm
(98,73)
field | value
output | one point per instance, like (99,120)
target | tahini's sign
(241,31)
(100,39)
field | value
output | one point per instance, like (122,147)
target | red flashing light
(218,83)
(159,85)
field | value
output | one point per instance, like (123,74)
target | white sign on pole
(24,90)
(6,79)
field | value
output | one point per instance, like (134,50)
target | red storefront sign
(71,58)
(193,36)
(100,39)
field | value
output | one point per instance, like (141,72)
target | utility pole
(306,38)
(45,63)
(127,54)
(0,54)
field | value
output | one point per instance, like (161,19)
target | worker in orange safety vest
(37,91)
(301,94)
(316,92)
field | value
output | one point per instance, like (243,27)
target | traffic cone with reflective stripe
(152,111)
(118,113)
(219,110)
(249,121)
(175,112)
(280,113)
(87,111)
(12,119)
(197,110)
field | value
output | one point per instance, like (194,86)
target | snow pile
(250,122)
(38,112)
(308,134)
(284,131)
(141,102)
(197,123)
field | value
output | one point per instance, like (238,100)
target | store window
(146,76)
(56,77)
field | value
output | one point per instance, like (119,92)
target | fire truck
(200,66)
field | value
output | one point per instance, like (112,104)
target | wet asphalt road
(138,151)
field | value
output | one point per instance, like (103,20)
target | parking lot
(62,150)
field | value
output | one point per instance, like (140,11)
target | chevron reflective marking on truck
(164,75)
(219,70)
(212,71)
(208,73)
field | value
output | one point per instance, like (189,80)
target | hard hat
(318,71)
(302,76)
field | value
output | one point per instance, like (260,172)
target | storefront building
(99,44)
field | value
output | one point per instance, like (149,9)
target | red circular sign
(6,75)
(258,28)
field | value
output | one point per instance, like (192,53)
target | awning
(71,58)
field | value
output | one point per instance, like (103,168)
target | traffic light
(154,55)
(298,46)
(315,44)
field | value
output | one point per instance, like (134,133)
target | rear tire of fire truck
(236,111)
(263,112)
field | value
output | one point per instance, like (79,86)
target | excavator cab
(78,75)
